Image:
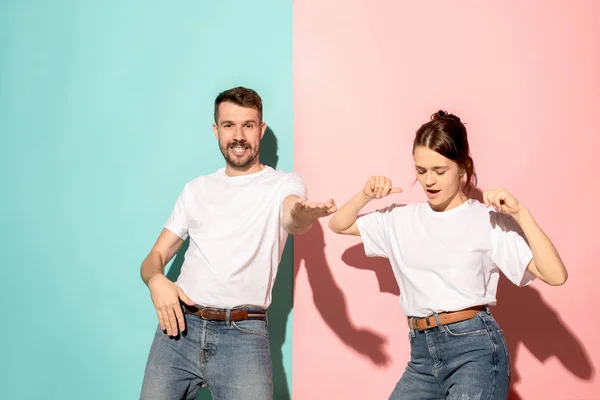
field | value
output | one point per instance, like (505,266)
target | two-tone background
(106,112)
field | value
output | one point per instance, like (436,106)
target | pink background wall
(524,77)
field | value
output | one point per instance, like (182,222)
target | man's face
(239,131)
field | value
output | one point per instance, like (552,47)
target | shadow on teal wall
(105,113)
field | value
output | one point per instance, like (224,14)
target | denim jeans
(466,360)
(232,359)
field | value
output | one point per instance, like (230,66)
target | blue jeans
(232,359)
(465,360)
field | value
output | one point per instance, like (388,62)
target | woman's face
(440,177)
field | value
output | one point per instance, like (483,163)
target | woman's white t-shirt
(450,260)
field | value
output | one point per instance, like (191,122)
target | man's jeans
(232,359)
(466,360)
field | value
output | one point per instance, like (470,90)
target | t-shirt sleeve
(510,251)
(177,221)
(374,231)
(294,185)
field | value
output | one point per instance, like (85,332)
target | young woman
(447,254)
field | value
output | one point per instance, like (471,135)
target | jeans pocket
(252,327)
(504,350)
(469,327)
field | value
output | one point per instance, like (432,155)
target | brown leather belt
(219,314)
(421,324)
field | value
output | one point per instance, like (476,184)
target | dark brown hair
(447,135)
(242,97)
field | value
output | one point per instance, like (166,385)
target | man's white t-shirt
(447,261)
(236,236)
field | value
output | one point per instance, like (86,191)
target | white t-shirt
(447,261)
(236,236)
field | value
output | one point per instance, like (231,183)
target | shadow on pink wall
(330,300)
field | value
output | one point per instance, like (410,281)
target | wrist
(300,220)
(522,215)
(153,278)
(363,198)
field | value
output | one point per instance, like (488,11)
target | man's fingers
(311,205)
(172,331)
(318,210)
(395,190)
(183,297)
(297,205)
(180,318)
(161,320)
(166,319)
(331,207)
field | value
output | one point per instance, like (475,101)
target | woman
(446,255)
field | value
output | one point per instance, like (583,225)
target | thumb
(183,297)
(368,187)
(396,190)
(298,203)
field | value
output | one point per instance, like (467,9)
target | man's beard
(239,162)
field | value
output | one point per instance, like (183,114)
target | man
(237,219)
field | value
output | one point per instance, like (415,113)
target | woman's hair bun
(441,114)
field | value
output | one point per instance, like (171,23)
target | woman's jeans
(466,360)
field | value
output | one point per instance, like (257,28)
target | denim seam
(505,350)
(203,357)
(471,333)
(435,360)
(242,330)
(495,357)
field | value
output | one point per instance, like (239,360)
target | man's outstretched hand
(311,211)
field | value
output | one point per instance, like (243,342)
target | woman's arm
(344,220)
(546,264)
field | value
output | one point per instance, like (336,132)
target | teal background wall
(105,113)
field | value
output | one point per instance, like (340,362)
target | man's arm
(165,294)
(165,248)
(299,215)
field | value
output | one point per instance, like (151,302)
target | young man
(237,219)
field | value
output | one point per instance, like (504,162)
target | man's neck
(231,170)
